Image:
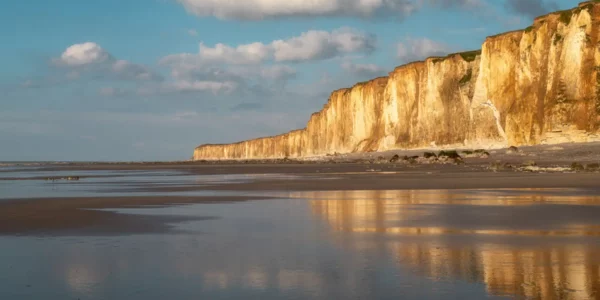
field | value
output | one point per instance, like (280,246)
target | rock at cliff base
(496,166)
(499,165)
(479,153)
(512,150)
(410,159)
(429,155)
(458,161)
(592,167)
(451,154)
(577,166)
(395,158)
(380,160)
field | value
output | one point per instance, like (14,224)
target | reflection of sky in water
(325,245)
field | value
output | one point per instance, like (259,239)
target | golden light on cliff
(533,86)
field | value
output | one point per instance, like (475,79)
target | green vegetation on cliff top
(566,15)
(468,56)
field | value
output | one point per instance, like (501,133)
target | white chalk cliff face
(535,86)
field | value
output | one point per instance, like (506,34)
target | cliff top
(255,139)
(566,14)
(362,83)
(467,56)
(563,16)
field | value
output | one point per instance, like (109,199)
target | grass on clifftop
(565,16)
(468,56)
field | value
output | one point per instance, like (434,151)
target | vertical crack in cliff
(497,117)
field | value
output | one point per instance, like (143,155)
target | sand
(81,215)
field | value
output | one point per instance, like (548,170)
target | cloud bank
(308,46)
(273,9)
(225,68)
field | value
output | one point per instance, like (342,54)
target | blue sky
(152,79)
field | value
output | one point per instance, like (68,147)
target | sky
(149,80)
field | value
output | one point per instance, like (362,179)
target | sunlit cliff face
(534,86)
(430,233)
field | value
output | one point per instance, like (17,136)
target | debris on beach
(479,153)
(68,178)
(592,167)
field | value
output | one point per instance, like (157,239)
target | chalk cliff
(539,85)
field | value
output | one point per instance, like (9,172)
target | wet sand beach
(304,230)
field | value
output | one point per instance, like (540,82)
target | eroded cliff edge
(539,85)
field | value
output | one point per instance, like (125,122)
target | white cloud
(363,69)
(203,85)
(310,45)
(278,72)
(192,32)
(419,49)
(268,9)
(199,78)
(84,54)
(468,4)
(316,45)
(133,71)
(254,66)
(243,54)
(91,58)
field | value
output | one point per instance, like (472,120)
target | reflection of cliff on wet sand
(427,225)
(466,212)
(554,272)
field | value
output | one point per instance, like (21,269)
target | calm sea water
(320,245)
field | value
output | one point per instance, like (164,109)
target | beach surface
(522,224)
